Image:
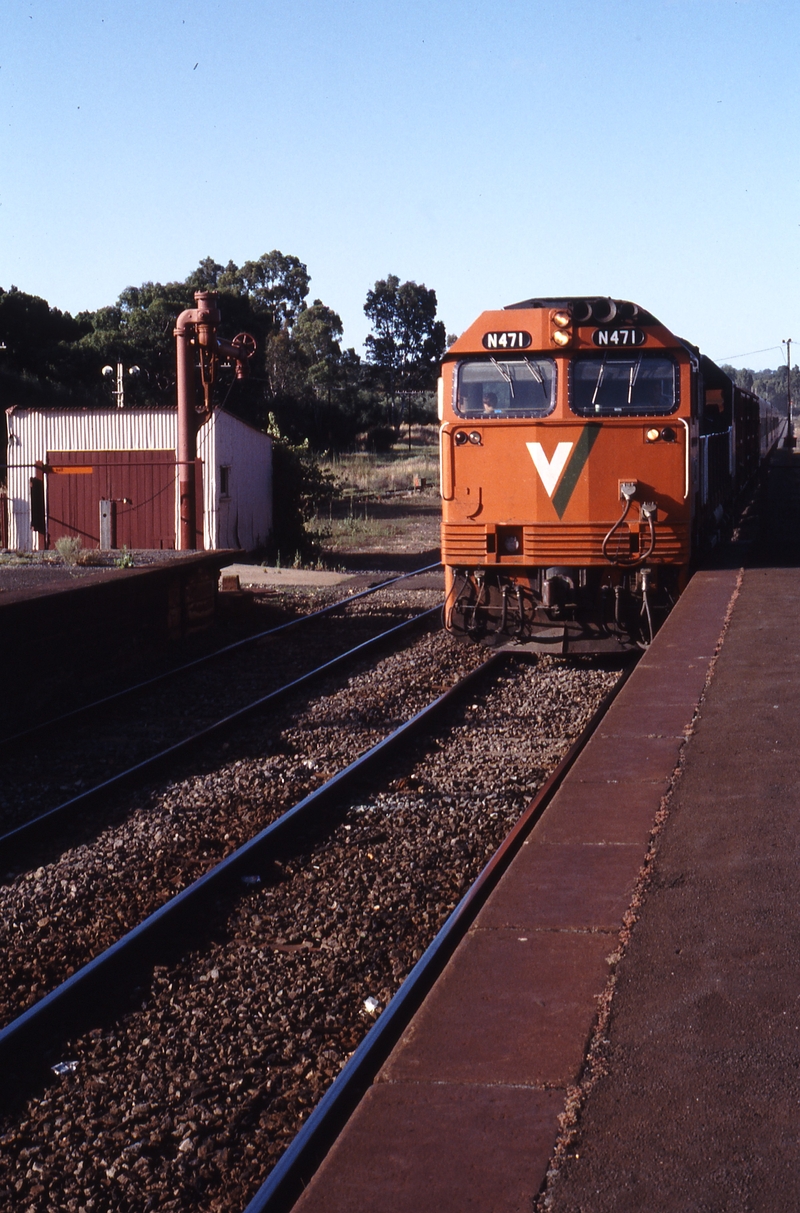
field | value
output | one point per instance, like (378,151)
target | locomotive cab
(583,450)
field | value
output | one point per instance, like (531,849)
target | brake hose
(648,512)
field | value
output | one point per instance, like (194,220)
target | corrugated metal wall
(242,518)
(141,484)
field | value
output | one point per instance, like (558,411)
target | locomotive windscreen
(508,387)
(639,385)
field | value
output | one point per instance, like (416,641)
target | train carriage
(587,456)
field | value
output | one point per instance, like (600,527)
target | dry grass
(357,520)
(340,534)
(366,474)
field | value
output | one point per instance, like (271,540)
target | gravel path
(186,1102)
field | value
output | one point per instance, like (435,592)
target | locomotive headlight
(561,326)
(475,438)
(460,438)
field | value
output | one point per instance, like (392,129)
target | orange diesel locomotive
(587,456)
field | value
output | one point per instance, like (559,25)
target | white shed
(62,463)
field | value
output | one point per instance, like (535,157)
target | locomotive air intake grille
(558,543)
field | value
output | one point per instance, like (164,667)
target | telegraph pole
(789,439)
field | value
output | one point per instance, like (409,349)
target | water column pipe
(186,333)
(196,333)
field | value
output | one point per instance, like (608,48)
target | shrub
(69,548)
(300,489)
(380,439)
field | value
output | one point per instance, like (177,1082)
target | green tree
(407,341)
(317,333)
(769,384)
(262,297)
(139,330)
(276,285)
(319,392)
(37,361)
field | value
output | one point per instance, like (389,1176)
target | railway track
(81,712)
(59,767)
(298,1164)
(204,1081)
(60,915)
(25,835)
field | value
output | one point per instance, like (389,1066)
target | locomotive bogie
(587,457)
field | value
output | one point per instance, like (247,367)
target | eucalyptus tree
(407,341)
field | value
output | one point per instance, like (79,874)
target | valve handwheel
(245,344)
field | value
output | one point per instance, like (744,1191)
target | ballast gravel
(70,757)
(55,918)
(186,1102)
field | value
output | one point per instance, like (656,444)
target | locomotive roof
(600,310)
(586,308)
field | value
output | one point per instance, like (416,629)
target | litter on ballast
(251,880)
(65,1067)
(371,1005)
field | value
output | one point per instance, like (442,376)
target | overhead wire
(768,350)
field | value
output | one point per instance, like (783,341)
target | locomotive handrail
(687,459)
(446,464)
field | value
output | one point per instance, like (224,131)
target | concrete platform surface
(700,1105)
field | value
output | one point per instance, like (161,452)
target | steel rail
(301,1159)
(40,726)
(23,835)
(23,1042)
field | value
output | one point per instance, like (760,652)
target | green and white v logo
(550,469)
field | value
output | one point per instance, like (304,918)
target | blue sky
(638,148)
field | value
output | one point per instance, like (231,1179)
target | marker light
(475,438)
(667,434)
(460,438)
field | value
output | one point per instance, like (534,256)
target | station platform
(620,1029)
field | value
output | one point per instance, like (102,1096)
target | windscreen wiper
(538,376)
(597,386)
(632,377)
(505,374)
